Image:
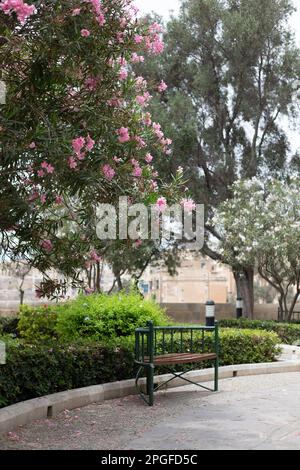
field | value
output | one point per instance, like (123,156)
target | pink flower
(162,86)
(43,198)
(154,185)
(123,74)
(32,145)
(138,39)
(101,19)
(108,172)
(124,136)
(188,204)
(147,120)
(78,145)
(161,204)
(95,257)
(58,200)
(72,163)
(85,33)
(90,143)
(76,11)
(138,243)
(40,173)
(91,83)
(141,143)
(22,10)
(135,58)
(117,160)
(46,245)
(141,100)
(137,172)
(49,168)
(149,158)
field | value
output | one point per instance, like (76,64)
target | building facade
(198,280)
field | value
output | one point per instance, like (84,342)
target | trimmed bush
(103,317)
(289,333)
(37,324)
(34,370)
(9,325)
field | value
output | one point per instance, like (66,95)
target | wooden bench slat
(185,358)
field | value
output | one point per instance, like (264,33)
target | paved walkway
(260,412)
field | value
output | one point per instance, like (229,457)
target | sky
(164,7)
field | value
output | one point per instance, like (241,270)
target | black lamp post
(210,308)
(239,307)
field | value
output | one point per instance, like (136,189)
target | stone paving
(258,412)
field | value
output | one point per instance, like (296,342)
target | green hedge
(9,325)
(34,370)
(289,333)
(98,317)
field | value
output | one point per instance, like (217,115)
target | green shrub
(36,370)
(289,333)
(9,325)
(33,371)
(103,317)
(37,324)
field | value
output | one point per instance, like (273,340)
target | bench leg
(216,375)
(150,384)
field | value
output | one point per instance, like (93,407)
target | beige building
(198,280)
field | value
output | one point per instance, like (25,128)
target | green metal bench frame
(147,358)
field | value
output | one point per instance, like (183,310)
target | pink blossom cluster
(109,172)
(163,141)
(46,245)
(91,83)
(135,58)
(144,99)
(123,134)
(162,86)
(137,170)
(161,204)
(93,258)
(188,204)
(153,41)
(22,10)
(80,146)
(99,10)
(45,168)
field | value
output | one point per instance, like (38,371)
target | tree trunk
(245,289)
(291,310)
(22,292)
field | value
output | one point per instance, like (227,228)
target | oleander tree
(260,227)
(75,130)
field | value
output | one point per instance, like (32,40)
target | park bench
(171,346)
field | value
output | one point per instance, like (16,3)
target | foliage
(74,131)
(35,370)
(231,69)
(102,317)
(260,226)
(37,324)
(9,325)
(289,333)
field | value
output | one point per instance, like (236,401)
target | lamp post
(210,308)
(239,307)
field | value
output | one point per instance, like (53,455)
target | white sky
(164,7)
